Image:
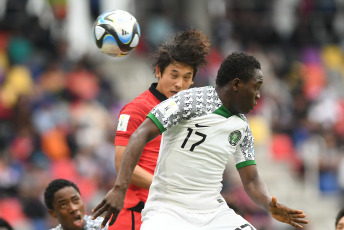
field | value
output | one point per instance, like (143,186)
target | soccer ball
(116,33)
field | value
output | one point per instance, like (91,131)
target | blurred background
(60,98)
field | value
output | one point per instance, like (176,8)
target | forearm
(254,186)
(129,161)
(146,132)
(140,178)
(258,192)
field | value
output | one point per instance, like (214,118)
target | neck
(224,93)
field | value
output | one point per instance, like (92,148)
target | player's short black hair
(189,47)
(55,186)
(237,65)
(339,216)
(5,224)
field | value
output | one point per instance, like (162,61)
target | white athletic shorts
(171,218)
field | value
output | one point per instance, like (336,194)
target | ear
(52,213)
(236,84)
(157,72)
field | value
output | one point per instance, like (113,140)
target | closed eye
(258,86)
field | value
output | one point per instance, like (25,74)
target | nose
(73,207)
(179,83)
(258,95)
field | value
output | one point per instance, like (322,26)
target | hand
(287,215)
(112,204)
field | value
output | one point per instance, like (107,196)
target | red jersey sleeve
(129,119)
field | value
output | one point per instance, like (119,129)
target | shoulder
(186,104)
(143,96)
(205,90)
(242,119)
(144,100)
(58,227)
(94,224)
(141,104)
(197,95)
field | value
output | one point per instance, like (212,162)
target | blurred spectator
(339,223)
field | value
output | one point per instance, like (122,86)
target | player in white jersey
(201,134)
(202,128)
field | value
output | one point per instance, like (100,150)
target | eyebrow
(176,71)
(259,79)
(64,199)
(61,200)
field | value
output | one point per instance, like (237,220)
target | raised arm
(114,200)
(258,192)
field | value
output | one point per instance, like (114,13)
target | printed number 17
(190,131)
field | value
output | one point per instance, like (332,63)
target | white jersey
(89,224)
(199,136)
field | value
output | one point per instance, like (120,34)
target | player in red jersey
(176,64)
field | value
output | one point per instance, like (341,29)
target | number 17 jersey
(199,136)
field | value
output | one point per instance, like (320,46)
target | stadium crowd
(58,111)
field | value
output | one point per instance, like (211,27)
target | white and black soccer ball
(116,33)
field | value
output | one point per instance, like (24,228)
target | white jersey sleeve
(183,106)
(244,153)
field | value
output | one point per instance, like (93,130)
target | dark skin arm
(258,192)
(140,178)
(114,200)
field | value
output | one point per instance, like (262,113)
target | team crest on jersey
(234,137)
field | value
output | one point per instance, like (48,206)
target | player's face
(68,209)
(340,225)
(249,92)
(176,77)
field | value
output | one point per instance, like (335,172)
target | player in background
(176,64)
(339,223)
(63,200)
(202,128)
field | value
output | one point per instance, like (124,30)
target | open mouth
(78,221)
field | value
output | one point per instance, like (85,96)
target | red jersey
(130,118)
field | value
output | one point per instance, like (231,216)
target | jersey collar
(223,111)
(156,93)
